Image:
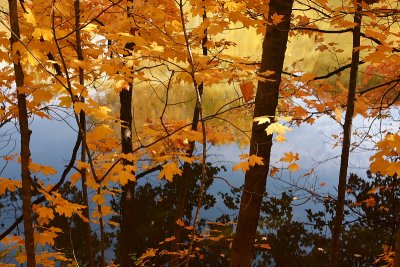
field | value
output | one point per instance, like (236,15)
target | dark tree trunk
(82,122)
(396,261)
(25,140)
(128,190)
(344,159)
(273,55)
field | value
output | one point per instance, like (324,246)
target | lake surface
(52,142)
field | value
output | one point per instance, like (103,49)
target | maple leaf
(247,89)
(289,157)
(280,139)
(277,128)
(169,170)
(47,236)
(262,120)
(276,19)
(98,199)
(29,17)
(45,214)
(250,162)
(338,114)
(294,167)
(10,185)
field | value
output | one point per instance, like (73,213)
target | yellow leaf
(151,252)
(33,57)
(280,139)
(90,27)
(338,114)
(98,199)
(30,18)
(112,223)
(169,170)
(254,159)
(78,106)
(244,166)
(44,33)
(294,167)
(75,178)
(262,120)
(250,162)
(277,128)
(10,185)
(126,174)
(289,157)
(45,170)
(47,236)
(45,214)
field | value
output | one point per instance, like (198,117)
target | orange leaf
(276,19)
(247,89)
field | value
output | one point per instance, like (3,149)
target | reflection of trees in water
(155,208)
(370,224)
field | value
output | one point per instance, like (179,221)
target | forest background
(156,91)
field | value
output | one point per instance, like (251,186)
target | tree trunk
(102,235)
(273,55)
(396,261)
(344,159)
(25,140)
(127,198)
(82,122)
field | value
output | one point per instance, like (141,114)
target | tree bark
(344,159)
(127,197)
(82,122)
(396,261)
(25,133)
(273,55)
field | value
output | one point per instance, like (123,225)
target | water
(52,142)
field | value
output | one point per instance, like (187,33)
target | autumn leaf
(262,120)
(247,89)
(47,236)
(338,114)
(290,157)
(273,171)
(169,170)
(276,19)
(98,199)
(264,246)
(250,162)
(280,139)
(29,16)
(167,240)
(294,167)
(45,214)
(277,128)
(180,222)
(8,184)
